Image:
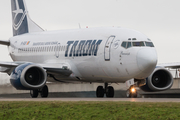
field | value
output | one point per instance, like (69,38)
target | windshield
(149,44)
(136,44)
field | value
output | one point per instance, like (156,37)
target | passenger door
(107,49)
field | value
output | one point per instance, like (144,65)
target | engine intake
(28,76)
(160,79)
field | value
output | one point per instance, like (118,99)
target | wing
(60,69)
(58,72)
(7,67)
(3,42)
(170,65)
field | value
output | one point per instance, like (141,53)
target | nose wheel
(131,92)
(108,90)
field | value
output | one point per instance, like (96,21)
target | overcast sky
(158,19)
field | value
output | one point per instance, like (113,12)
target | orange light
(133,90)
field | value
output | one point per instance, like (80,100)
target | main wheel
(100,92)
(110,92)
(44,92)
(34,93)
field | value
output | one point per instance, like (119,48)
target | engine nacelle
(160,79)
(28,76)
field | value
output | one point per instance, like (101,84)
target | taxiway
(95,99)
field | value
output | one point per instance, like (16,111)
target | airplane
(102,55)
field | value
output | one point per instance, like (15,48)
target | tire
(110,92)
(44,92)
(128,94)
(100,92)
(134,95)
(34,93)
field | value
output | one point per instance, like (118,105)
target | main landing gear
(108,90)
(43,91)
(131,92)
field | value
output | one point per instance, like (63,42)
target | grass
(88,111)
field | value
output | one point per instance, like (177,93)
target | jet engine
(160,79)
(28,76)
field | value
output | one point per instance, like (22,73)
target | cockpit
(129,44)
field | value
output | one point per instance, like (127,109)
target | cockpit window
(124,44)
(137,44)
(129,44)
(149,44)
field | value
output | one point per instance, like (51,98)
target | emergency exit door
(107,49)
(57,49)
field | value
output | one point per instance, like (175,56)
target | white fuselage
(90,61)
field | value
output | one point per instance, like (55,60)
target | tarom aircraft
(102,55)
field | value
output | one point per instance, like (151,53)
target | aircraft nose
(147,60)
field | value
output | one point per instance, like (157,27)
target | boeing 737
(102,55)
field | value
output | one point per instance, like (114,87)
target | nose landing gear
(108,90)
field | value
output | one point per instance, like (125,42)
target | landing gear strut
(44,92)
(108,90)
(131,92)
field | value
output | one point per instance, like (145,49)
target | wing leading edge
(170,65)
(8,67)
(3,42)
